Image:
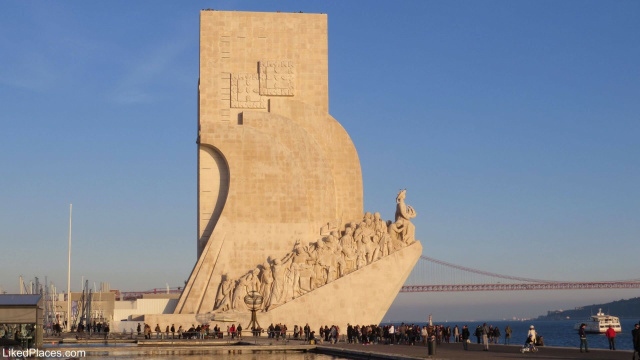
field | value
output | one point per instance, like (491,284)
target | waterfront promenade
(453,351)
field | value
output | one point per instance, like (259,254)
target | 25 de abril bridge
(433,275)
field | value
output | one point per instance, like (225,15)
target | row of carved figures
(306,268)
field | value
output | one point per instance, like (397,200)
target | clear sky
(513,125)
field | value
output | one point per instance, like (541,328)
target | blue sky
(513,125)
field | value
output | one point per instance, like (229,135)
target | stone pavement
(455,351)
(250,344)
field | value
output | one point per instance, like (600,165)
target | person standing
(465,337)
(507,335)
(485,337)
(307,331)
(456,334)
(611,336)
(635,336)
(583,338)
(478,333)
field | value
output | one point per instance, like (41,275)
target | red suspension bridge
(433,275)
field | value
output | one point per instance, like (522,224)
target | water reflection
(208,355)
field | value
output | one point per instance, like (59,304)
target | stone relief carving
(245,92)
(274,78)
(306,268)
(277,78)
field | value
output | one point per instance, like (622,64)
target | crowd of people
(404,334)
(194,332)
(407,334)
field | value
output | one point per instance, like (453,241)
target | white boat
(599,323)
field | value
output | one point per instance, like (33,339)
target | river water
(556,333)
(226,356)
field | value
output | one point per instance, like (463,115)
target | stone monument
(280,203)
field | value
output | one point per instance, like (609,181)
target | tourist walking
(496,335)
(507,335)
(611,336)
(157,330)
(583,338)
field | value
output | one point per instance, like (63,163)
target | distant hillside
(627,309)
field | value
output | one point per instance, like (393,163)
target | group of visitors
(491,335)
(95,328)
(277,331)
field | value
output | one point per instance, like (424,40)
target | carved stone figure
(379,224)
(223,300)
(337,263)
(349,250)
(240,292)
(302,271)
(403,230)
(266,281)
(361,260)
(254,281)
(386,246)
(402,210)
(279,269)
(370,249)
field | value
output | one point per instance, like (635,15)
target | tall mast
(69,274)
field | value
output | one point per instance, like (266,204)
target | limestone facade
(279,180)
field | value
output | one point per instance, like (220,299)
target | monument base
(362,297)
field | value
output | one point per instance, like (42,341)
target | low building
(21,319)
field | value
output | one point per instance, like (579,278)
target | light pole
(69,275)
